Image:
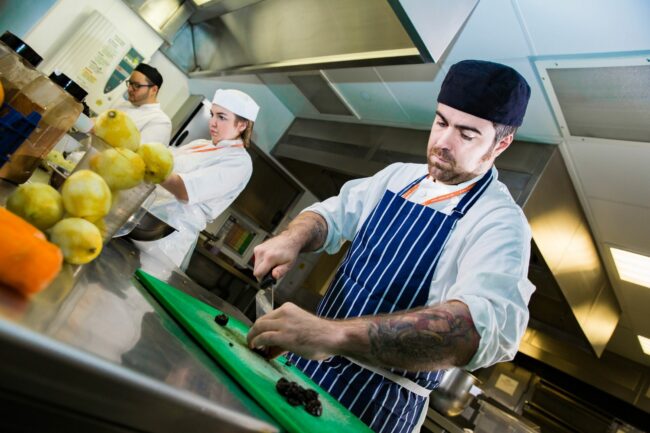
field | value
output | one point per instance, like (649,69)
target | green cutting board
(227,345)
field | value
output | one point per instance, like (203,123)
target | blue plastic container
(14,129)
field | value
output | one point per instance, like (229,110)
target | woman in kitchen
(208,175)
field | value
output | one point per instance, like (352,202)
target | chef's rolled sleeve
(493,283)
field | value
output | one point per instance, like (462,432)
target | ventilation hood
(574,301)
(224,37)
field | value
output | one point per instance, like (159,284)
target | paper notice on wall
(98,57)
(101,60)
(506,384)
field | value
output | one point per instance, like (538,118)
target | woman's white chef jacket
(154,125)
(484,263)
(213,175)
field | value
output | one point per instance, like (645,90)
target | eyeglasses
(137,86)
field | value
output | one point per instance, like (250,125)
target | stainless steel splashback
(562,236)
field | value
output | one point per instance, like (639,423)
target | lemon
(159,161)
(38,203)
(120,168)
(86,195)
(80,241)
(117,129)
(57,158)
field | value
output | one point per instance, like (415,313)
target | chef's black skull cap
(151,73)
(488,90)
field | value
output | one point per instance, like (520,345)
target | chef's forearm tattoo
(425,339)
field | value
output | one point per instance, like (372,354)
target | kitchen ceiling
(610,176)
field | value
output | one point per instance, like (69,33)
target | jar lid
(68,85)
(21,48)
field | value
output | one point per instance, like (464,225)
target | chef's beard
(448,172)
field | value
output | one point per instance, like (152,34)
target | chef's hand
(290,328)
(277,255)
(307,232)
(174,184)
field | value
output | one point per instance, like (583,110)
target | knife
(269,281)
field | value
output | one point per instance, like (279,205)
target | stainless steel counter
(97,350)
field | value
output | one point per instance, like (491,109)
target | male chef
(143,107)
(436,275)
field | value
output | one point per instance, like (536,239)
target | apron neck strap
(474,194)
(411,185)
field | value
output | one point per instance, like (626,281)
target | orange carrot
(28,263)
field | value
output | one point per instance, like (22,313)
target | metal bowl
(453,394)
(150,228)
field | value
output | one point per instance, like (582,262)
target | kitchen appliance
(227,345)
(195,125)
(456,390)
(491,419)
(436,423)
(235,236)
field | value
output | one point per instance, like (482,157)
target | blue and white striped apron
(388,268)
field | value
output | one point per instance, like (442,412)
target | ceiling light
(645,344)
(201,2)
(632,267)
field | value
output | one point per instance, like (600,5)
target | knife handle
(267,281)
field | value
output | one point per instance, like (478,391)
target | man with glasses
(143,106)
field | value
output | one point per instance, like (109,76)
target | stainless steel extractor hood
(234,37)
(574,301)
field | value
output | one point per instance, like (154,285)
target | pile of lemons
(73,218)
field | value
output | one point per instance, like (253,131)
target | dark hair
(502,131)
(151,73)
(248,132)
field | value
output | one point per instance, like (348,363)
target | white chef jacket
(214,175)
(154,125)
(484,263)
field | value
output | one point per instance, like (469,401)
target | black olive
(314,408)
(297,395)
(310,395)
(282,386)
(293,401)
(221,319)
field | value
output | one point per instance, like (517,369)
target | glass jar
(58,100)
(18,62)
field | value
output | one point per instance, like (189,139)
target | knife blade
(269,281)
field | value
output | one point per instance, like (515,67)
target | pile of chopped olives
(297,395)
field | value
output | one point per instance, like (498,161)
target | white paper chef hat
(237,102)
